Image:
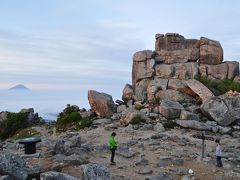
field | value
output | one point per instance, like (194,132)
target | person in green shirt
(112,145)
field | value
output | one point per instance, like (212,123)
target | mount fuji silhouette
(19,87)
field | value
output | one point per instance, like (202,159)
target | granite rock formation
(174,61)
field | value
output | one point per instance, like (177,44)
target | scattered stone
(102,121)
(75,160)
(56,175)
(178,162)
(145,171)
(96,172)
(159,128)
(121,108)
(185,115)
(126,152)
(161,176)
(224,130)
(163,162)
(141,162)
(14,166)
(193,124)
(132,115)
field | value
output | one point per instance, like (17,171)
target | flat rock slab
(161,176)
(201,90)
(125,152)
(145,171)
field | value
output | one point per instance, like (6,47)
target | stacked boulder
(165,86)
(165,79)
(162,74)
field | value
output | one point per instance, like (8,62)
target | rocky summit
(181,93)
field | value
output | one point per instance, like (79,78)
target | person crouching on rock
(219,153)
(112,145)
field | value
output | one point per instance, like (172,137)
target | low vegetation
(137,119)
(13,123)
(84,122)
(219,86)
(70,117)
(170,124)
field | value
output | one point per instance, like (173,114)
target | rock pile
(163,72)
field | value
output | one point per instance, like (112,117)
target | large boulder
(215,108)
(154,86)
(127,93)
(224,109)
(173,95)
(174,48)
(101,103)
(71,144)
(14,166)
(170,109)
(143,66)
(132,115)
(211,51)
(140,91)
(96,172)
(181,86)
(193,124)
(233,69)
(225,70)
(201,90)
(177,70)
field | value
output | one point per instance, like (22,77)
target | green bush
(170,125)
(68,119)
(84,122)
(13,123)
(137,119)
(220,85)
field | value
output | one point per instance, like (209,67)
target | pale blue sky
(74,44)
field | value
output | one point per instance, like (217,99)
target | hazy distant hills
(19,87)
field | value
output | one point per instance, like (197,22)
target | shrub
(220,85)
(84,122)
(68,119)
(170,125)
(137,119)
(13,123)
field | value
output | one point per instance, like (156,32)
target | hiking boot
(113,163)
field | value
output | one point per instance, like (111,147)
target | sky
(76,44)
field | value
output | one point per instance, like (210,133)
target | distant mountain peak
(19,87)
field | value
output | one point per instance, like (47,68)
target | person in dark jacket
(219,153)
(112,145)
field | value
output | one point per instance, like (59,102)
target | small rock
(145,171)
(159,127)
(178,162)
(142,162)
(161,176)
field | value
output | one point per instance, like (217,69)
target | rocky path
(142,154)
